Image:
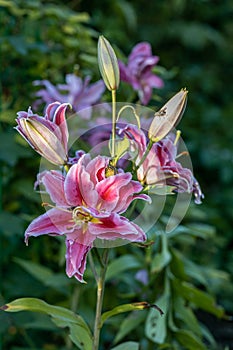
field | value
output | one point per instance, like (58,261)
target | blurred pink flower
(138,71)
(46,135)
(88,206)
(160,166)
(79,93)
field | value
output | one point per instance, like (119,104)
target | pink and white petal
(71,186)
(116,226)
(76,255)
(53,222)
(49,112)
(79,189)
(96,168)
(54,184)
(126,195)
(109,190)
(129,200)
(87,188)
(60,120)
(137,135)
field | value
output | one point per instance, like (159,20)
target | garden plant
(115,201)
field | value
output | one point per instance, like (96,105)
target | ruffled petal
(53,222)
(60,120)
(128,194)
(54,184)
(76,255)
(109,190)
(116,226)
(79,189)
(96,168)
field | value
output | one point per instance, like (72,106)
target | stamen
(44,204)
(185,153)
(178,133)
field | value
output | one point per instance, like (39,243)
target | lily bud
(168,116)
(108,64)
(47,136)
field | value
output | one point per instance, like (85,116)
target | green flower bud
(168,116)
(108,64)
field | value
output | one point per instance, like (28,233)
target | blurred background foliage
(48,39)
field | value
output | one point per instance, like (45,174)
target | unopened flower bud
(47,135)
(108,64)
(168,116)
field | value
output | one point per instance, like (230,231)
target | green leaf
(121,147)
(189,340)
(7,3)
(177,264)
(128,324)
(10,150)
(195,271)
(129,345)
(156,326)
(11,224)
(119,265)
(80,333)
(184,313)
(128,12)
(43,274)
(208,336)
(201,299)
(161,259)
(124,308)
(202,230)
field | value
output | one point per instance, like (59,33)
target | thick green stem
(99,303)
(149,146)
(113,124)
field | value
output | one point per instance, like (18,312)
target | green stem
(92,265)
(149,146)
(99,303)
(113,123)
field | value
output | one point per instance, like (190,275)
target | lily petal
(53,222)
(76,255)
(54,184)
(116,226)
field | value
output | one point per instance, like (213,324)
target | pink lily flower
(160,167)
(47,135)
(138,71)
(88,205)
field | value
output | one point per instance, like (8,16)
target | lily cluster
(90,196)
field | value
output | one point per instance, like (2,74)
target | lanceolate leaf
(129,345)
(79,331)
(125,262)
(189,340)
(201,299)
(126,308)
(156,327)
(129,323)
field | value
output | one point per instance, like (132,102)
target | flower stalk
(113,146)
(149,146)
(99,302)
